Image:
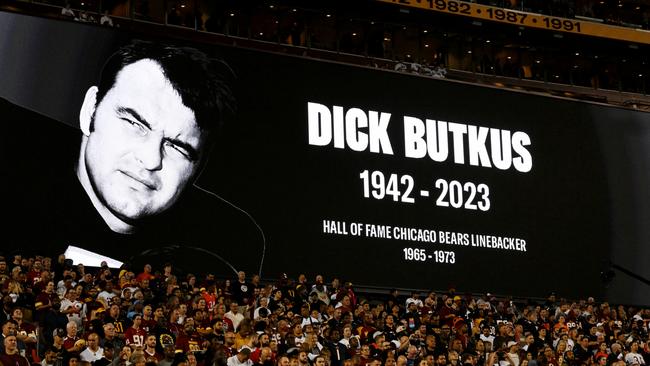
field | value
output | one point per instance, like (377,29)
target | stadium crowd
(57,313)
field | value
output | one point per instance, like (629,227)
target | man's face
(93,341)
(8,329)
(191,359)
(229,338)
(72,329)
(151,341)
(145,145)
(365,350)
(441,360)
(243,357)
(548,352)
(109,330)
(457,345)
(453,358)
(50,357)
(17,314)
(189,325)
(302,356)
(264,340)
(446,330)
(11,344)
(449,302)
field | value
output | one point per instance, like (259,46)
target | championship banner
(526,19)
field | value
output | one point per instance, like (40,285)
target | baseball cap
(410,301)
(511,343)
(58,332)
(600,355)
(377,334)
(245,350)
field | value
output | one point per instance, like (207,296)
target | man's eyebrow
(134,114)
(191,151)
(193,154)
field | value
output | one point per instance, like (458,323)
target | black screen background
(583,204)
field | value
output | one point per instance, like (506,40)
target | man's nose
(149,153)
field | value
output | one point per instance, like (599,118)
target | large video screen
(381,178)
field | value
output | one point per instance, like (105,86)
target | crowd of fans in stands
(57,313)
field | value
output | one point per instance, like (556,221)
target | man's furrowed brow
(192,153)
(134,114)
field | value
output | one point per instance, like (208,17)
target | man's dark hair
(202,83)
(9,321)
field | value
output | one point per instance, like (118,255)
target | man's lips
(144,181)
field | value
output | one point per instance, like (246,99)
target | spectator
(72,308)
(93,351)
(67,12)
(370,333)
(9,328)
(105,19)
(150,350)
(10,354)
(234,316)
(135,335)
(633,357)
(241,358)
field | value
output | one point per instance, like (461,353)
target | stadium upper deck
(594,50)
